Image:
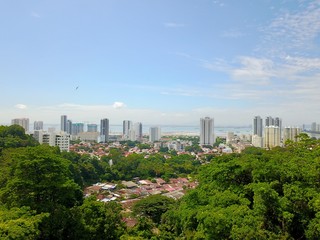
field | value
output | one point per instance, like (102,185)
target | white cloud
(35,15)
(232,34)
(174,25)
(118,105)
(253,70)
(20,106)
(294,30)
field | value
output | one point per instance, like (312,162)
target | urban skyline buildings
(104,130)
(23,122)
(257,126)
(272,136)
(38,125)
(207,131)
(92,127)
(291,133)
(63,123)
(127,125)
(138,131)
(154,134)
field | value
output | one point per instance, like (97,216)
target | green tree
(101,220)
(40,179)
(20,223)
(153,207)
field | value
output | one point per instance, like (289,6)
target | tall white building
(230,137)
(38,125)
(126,127)
(23,122)
(138,131)
(63,123)
(272,136)
(291,133)
(257,141)
(154,134)
(206,131)
(61,140)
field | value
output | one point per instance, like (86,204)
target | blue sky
(161,61)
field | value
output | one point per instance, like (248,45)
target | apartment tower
(206,131)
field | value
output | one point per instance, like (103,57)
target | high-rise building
(104,130)
(269,121)
(52,139)
(23,122)
(138,131)
(126,126)
(272,136)
(77,128)
(291,133)
(206,131)
(257,141)
(69,126)
(314,126)
(63,123)
(229,137)
(38,125)
(154,134)
(92,128)
(62,141)
(257,126)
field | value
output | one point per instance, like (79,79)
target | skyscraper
(271,136)
(77,128)
(269,121)
(69,126)
(92,128)
(38,125)
(291,133)
(23,122)
(127,125)
(104,130)
(138,131)
(206,131)
(257,126)
(154,134)
(63,123)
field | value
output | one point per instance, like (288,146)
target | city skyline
(160,62)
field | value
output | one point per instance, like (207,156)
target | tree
(101,220)
(20,223)
(153,207)
(14,136)
(40,179)
(258,194)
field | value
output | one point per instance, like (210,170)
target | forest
(258,194)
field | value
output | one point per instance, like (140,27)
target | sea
(195,130)
(219,131)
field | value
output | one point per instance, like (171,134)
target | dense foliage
(40,197)
(259,194)
(255,195)
(14,136)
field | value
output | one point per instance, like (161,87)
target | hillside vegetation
(257,194)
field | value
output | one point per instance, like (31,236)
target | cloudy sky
(161,61)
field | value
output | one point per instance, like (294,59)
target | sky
(160,62)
